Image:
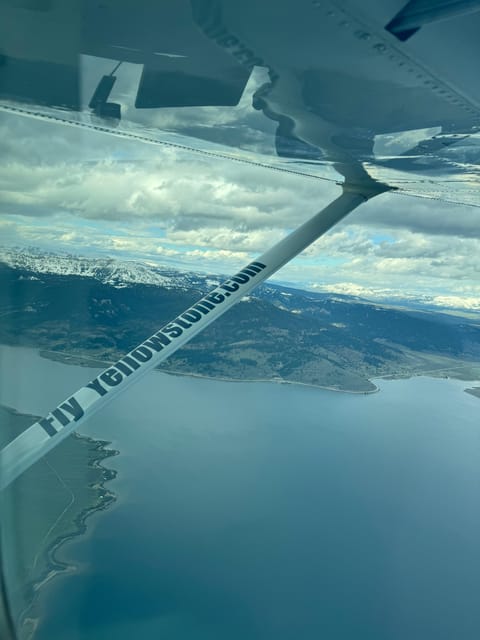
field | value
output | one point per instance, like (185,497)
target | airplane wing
(337,80)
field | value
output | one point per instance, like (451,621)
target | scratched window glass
(239,319)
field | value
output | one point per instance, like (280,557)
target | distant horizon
(89,193)
(375,296)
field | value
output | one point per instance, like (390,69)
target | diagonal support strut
(44,435)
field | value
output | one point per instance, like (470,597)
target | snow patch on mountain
(123,273)
(106,270)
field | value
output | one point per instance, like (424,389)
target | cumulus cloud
(81,191)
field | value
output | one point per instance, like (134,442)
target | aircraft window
(239,320)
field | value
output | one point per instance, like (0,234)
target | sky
(85,192)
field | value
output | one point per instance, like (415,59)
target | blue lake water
(263,511)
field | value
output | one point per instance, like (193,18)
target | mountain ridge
(102,308)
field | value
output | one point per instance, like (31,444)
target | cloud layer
(81,191)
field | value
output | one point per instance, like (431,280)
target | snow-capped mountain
(124,273)
(116,273)
(102,307)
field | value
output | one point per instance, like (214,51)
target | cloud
(62,188)
(385,294)
(219,201)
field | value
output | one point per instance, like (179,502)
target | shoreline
(98,451)
(457,372)
(71,484)
(82,360)
(442,372)
(311,385)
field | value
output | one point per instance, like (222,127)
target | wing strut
(42,436)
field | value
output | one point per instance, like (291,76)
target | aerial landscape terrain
(92,311)
(73,477)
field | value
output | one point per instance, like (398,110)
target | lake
(266,511)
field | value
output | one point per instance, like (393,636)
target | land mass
(45,507)
(96,311)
